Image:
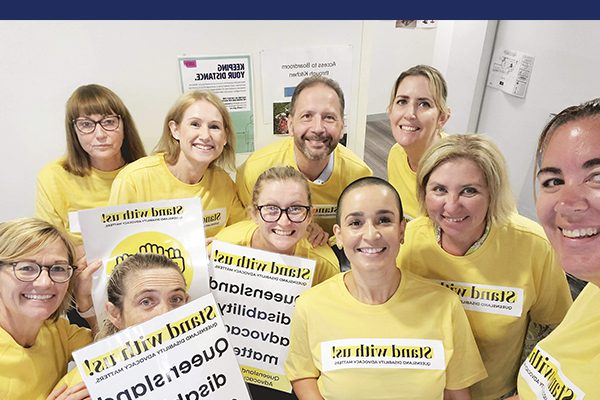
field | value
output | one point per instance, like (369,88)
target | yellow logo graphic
(156,243)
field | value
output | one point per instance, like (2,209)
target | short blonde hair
(437,86)
(280,173)
(116,289)
(486,155)
(170,146)
(23,237)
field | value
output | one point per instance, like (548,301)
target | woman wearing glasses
(197,143)
(36,286)
(281,211)
(101,139)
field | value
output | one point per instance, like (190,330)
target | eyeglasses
(29,271)
(86,126)
(271,213)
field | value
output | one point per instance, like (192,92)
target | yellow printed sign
(152,242)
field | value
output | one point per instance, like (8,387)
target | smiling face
(280,236)
(317,122)
(457,200)
(37,300)
(103,147)
(370,227)
(149,292)
(201,133)
(568,203)
(413,116)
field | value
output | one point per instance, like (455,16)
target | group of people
(425,287)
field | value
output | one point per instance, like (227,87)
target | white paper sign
(383,353)
(491,299)
(545,378)
(285,68)
(510,71)
(256,291)
(170,227)
(183,354)
(229,77)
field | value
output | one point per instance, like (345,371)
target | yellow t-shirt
(31,373)
(566,364)
(326,266)
(72,378)
(149,179)
(404,179)
(512,278)
(413,346)
(60,192)
(347,167)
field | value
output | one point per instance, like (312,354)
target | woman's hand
(461,394)
(307,389)
(316,235)
(83,290)
(83,283)
(76,392)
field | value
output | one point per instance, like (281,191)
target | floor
(378,141)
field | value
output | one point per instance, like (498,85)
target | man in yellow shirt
(316,125)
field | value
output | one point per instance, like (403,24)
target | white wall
(565,72)
(462,54)
(393,50)
(44,61)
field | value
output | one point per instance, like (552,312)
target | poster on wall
(283,69)
(256,292)
(229,77)
(173,228)
(182,354)
(510,72)
(414,23)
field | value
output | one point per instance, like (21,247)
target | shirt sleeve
(465,366)
(299,364)
(243,186)
(553,293)
(49,204)
(122,191)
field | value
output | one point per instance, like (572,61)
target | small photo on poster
(406,23)
(281,112)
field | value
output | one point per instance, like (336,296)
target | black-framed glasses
(29,271)
(272,213)
(86,126)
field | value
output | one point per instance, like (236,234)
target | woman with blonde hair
(196,146)
(281,212)
(472,241)
(417,112)
(141,287)
(36,287)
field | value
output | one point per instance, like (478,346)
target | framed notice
(229,77)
